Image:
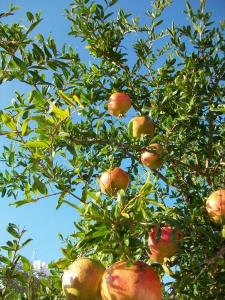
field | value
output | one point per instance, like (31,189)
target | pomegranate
(130,281)
(119,104)
(81,280)
(152,159)
(215,206)
(166,246)
(111,181)
(142,125)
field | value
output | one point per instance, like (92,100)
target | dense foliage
(62,137)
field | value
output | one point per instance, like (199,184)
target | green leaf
(4,260)
(93,8)
(26,265)
(33,25)
(146,188)
(40,186)
(155,203)
(8,121)
(21,202)
(25,243)
(12,229)
(38,52)
(29,16)
(95,196)
(98,125)
(20,63)
(36,144)
(62,263)
(121,196)
(61,199)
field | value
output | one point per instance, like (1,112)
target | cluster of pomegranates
(118,105)
(87,279)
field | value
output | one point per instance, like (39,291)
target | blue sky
(42,220)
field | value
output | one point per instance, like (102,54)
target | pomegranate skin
(81,280)
(142,125)
(111,181)
(130,281)
(152,159)
(167,245)
(118,104)
(215,206)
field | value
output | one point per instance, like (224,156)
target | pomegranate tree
(130,281)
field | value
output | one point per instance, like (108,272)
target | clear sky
(42,220)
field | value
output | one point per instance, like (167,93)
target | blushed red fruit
(111,181)
(119,104)
(166,246)
(81,280)
(142,125)
(130,281)
(215,206)
(152,159)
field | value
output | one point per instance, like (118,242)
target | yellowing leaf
(24,126)
(73,292)
(78,100)
(223,232)
(166,269)
(8,121)
(60,113)
(37,144)
(66,98)
(125,215)
(88,47)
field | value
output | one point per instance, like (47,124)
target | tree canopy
(62,138)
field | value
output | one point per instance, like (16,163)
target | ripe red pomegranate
(142,125)
(130,281)
(111,181)
(215,206)
(166,246)
(81,280)
(152,159)
(119,104)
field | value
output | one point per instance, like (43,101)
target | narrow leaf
(37,144)
(78,101)
(66,98)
